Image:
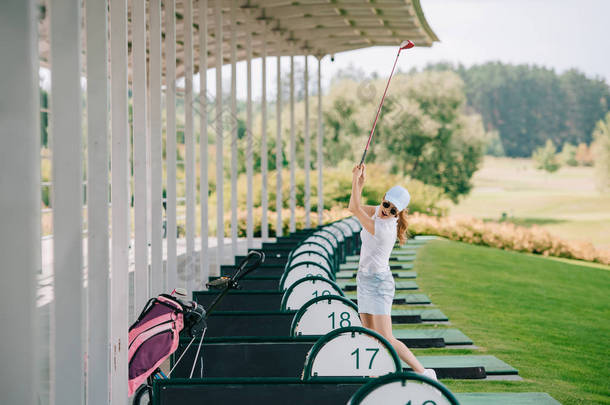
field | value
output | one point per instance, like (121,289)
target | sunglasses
(393,211)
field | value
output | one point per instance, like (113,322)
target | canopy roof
(312,27)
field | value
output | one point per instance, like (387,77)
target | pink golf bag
(154,337)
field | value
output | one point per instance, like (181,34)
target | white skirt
(375,292)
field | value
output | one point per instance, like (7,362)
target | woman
(381,226)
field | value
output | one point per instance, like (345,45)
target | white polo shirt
(376,249)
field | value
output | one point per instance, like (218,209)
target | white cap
(399,196)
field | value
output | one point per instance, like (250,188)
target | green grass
(550,319)
(566,202)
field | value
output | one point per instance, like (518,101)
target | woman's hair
(402,225)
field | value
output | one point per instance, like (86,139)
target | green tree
(530,104)
(584,155)
(568,155)
(44,118)
(494,144)
(601,152)
(428,135)
(546,157)
(423,131)
(340,125)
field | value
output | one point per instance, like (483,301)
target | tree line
(529,105)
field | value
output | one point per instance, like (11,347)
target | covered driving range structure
(121,90)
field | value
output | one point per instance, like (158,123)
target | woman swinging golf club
(381,225)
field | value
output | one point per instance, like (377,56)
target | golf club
(404,45)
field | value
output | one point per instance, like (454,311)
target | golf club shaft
(379,110)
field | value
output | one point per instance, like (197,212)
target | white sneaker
(430,373)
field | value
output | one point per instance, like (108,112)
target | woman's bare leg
(366,320)
(382,324)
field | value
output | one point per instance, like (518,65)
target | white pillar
(171,276)
(307,150)
(140,157)
(119,302)
(67,350)
(20,202)
(204,259)
(219,161)
(189,139)
(98,317)
(233,129)
(249,150)
(278,149)
(156,154)
(320,192)
(292,148)
(264,164)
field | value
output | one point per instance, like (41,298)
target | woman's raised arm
(355,205)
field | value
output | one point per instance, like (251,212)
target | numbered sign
(403,388)
(353,351)
(311,247)
(310,257)
(322,240)
(307,288)
(324,314)
(353,224)
(334,235)
(302,270)
(345,228)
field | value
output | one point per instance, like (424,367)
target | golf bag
(154,336)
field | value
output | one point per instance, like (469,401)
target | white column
(278,150)
(140,157)
(249,150)
(219,161)
(98,316)
(189,139)
(292,148)
(156,156)
(204,259)
(20,201)
(171,276)
(119,283)
(233,129)
(264,164)
(67,369)
(307,149)
(320,192)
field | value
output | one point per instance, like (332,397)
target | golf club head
(406,45)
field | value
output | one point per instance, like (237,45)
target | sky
(557,34)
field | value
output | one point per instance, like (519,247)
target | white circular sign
(325,316)
(301,271)
(347,230)
(353,354)
(407,392)
(335,231)
(306,290)
(323,239)
(311,247)
(310,257)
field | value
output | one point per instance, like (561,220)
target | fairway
(546,318)
(565,202)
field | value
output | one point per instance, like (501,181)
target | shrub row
(334,214)
(505,236)
(337,188)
